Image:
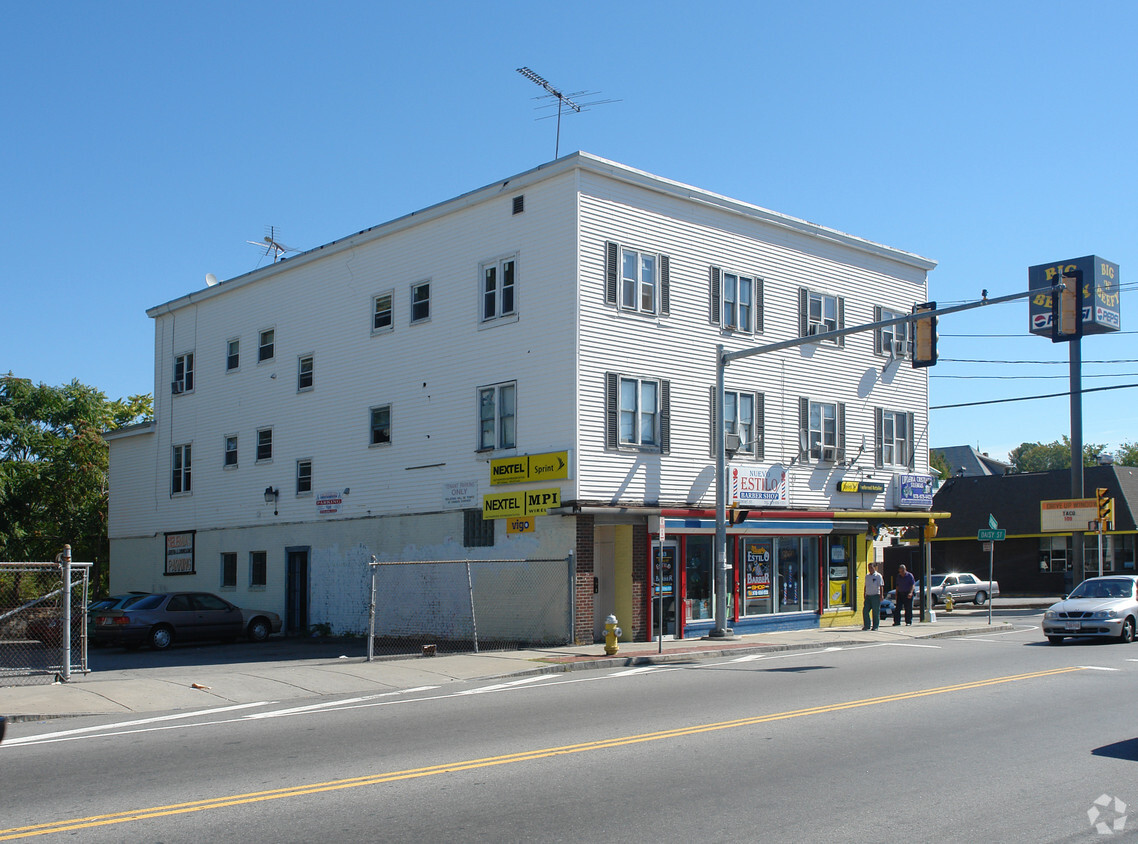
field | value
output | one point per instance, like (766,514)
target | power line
(1032,377)
(1030,398)
(1053,362)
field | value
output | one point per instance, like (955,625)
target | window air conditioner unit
(732,443)
(829,454)
(178,387)
(814,328)
(897,349)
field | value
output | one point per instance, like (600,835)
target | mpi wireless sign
(1095,305)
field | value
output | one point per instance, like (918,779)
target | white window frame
(226,451)
(897,333)
(301,374)
(271,345)
(183,374)
(734,420)
(232,354)
(378,326)
(821,311)
(260,558)
(822,431)
(228,557)
(264,439)
(422,303)
(640,290)
(372,426)
(498,416)
(181,474)
(895,448)
(304,476)
(738,293)
(635,420)
(498,300)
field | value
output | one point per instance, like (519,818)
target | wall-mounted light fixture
(271,496)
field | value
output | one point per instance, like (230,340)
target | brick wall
(583,625)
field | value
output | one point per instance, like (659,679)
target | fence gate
(43,623)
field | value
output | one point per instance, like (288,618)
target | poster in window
(666,556)
(180,553)
(757,568)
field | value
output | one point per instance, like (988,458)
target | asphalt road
(992,737)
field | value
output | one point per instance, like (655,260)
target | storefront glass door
(698,577)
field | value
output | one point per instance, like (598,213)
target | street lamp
(271,496)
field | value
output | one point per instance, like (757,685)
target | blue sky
(145,143)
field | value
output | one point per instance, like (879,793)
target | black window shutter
(841,432)
(665,281)
(911,420)
(665,417)
(760,424)
(878,433)
(612,259)
(712,416)
(877,350)
(758,305)
(841,319)
(612,420)
(803,310)
(803,428)
(714,310)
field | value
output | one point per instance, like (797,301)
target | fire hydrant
(611,632)
(948,602)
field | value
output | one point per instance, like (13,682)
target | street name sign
(992,535)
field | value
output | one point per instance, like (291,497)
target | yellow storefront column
(623,586)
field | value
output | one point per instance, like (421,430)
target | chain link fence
(456,606)
(43,632)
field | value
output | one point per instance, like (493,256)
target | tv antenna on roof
(563,100)
(271,245)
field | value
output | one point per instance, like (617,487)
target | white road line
(909,645)
(1098,668)
(642,670)
(278,713)
(119,725)
(505,686)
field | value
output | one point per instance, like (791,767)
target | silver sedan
(1099,607)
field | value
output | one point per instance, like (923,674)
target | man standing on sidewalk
(906,584)
(874,589)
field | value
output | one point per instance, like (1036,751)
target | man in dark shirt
(906,585)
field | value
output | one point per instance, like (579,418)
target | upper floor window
(497,414)
(232,354)
(304,373)
(637,413)
(380,424)
(420,301)
(267,348)
(635,280)
(743,423)
(822,428)
(264,444)
(230,451)
(382,315)
(303,476)
(894,435)
(181,478)
(891,340)
(819,313)
(183,374)
(736,301)
(498,285)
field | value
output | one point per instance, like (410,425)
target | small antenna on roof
(271,245)
(562,101)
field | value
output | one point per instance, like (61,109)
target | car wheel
(259,630)
(980,598)
(1055,640)
(161,637)
(1127,634)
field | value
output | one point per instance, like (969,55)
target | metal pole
(991,576)
(473,620)
(1076,376)
(65,630)
(720,630)
(371,612)
(572,598)
(1100,548)
(926,593)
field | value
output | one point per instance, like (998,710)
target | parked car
(963,587)
(160,620)
(112,602)
(1096,608)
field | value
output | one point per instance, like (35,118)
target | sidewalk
(208,686)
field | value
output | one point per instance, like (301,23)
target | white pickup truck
(963,587)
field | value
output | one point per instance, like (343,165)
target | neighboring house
(1030,561)
(355,400)
(965,461)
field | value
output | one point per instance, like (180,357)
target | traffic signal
(1105,507)
(735,516)
(1067,308)
(924,336)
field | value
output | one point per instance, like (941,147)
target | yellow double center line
(510,758)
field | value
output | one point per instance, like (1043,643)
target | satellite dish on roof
(210,279)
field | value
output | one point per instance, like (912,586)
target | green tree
(937,461)
(53,468)
(1127,454)
(1047,457)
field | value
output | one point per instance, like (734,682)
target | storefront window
(838,568)
(1053,554)
(755,556)
(697,573)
